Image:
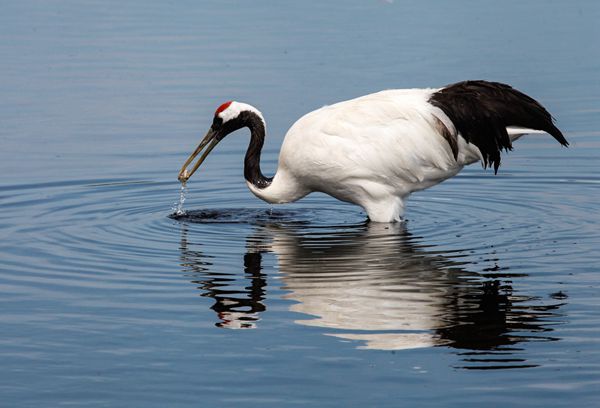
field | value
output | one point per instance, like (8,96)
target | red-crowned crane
(375,150)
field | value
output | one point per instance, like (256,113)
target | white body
(372,151)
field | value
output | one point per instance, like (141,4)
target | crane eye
(217,123)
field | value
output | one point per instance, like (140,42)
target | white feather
(235,108)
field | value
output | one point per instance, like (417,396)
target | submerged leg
(388,210)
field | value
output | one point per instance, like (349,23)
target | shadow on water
(238,216)
(376,285)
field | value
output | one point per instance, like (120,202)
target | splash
(178,206)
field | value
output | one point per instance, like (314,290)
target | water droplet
(178,206)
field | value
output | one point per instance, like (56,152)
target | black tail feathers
(481,111)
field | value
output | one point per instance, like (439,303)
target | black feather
(481,111)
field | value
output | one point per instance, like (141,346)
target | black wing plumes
(481,111)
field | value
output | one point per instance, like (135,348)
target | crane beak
(211,140)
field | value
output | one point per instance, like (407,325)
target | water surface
(486,295)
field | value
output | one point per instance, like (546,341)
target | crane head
(229,117)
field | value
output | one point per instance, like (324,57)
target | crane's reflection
(378,286)
(237,308)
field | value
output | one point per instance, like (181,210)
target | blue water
(487,295)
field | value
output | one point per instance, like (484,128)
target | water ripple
(385,287)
